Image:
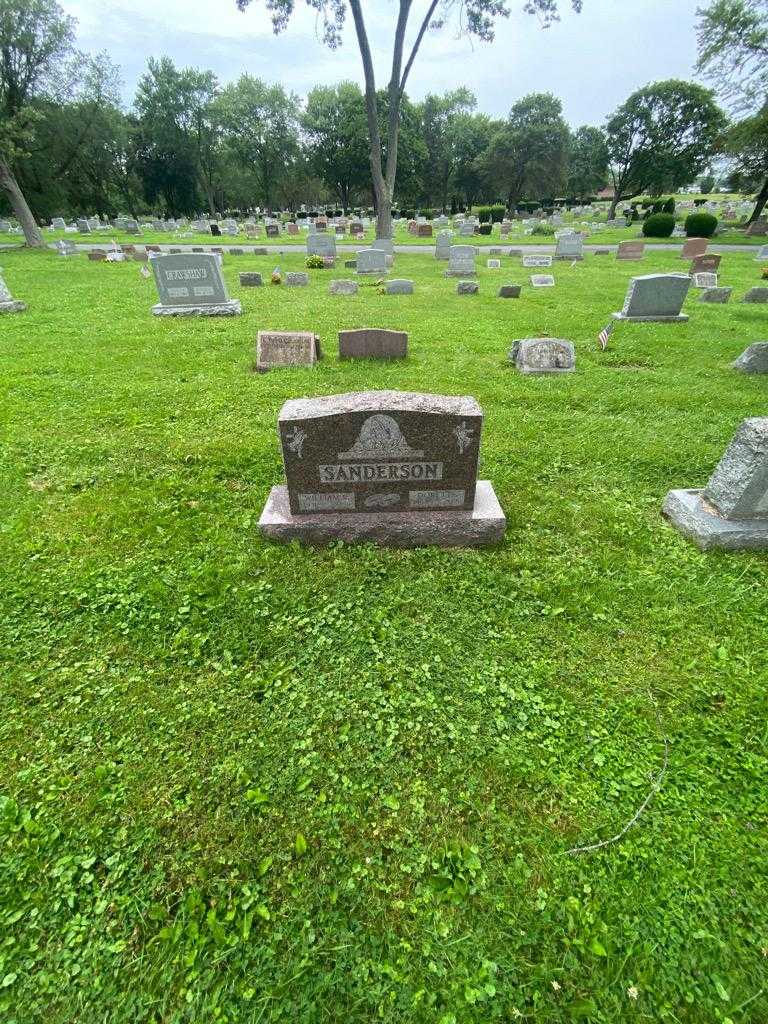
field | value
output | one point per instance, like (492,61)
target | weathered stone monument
(461,261)
(371,261)
(373,343)
(630,250)
(756,295)
(296,279)
(321,244)
(395,468)
(277,349)
(655,297)
(7,303)
(569,247)
(443,245)
(731,512)
(251,279)
(542,281)
(191,284)
(708,263)
(467,288)
(694,247)
(543,355)
(343,287)
(509,291)
(537,260)
(753,359)
(715,295)
(399,286)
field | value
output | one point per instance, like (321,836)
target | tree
(261,126)
(440,118)
(588,162)
(528,156)
(337,135)
(477,18)
(733,53)
(35,36)
(177,135)
(661,138)
(473,134)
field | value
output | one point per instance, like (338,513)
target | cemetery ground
(247,782)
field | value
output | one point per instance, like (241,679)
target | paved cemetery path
(410,249)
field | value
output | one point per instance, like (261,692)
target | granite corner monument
(394,468)
(731,512)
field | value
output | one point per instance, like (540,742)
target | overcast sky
(592,61)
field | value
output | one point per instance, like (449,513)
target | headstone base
(483,526)
(459,273)
(681,319)
(699,522)
(568,259)
(231,308)
(14,306)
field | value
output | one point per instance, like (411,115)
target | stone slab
(695,519)
(538,356)
(681,319)
(399,287)
(343,287)
(481,526)
(12,306)
(279,349)
(716,295)
(756,295)
(753,359)
(296,279)
(467,288)
(373,343)
(251,279)
(230,308)
(509,291)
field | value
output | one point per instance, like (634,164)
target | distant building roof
(606,193)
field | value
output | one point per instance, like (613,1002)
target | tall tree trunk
(762,199)
(612,212)
(10,186)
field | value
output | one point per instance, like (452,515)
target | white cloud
(591,61)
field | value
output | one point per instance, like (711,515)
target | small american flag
(144,271)
(605,335)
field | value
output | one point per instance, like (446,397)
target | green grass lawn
(245,782)
(607,236)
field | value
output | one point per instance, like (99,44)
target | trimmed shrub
(543,229)
(314,263)
(491,214)
(669,206)
(700,225)
(485,229)
(659,225)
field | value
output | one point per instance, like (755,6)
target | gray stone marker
(395,468)
(716,295)
(58,224)
(543,355)
(630,251)
(191,284)
(296,279)
(509,291)
(762,253)
(515,252)
(373,343)
(443,245)
(321,244)
(493,264)
(467,288)
(461,261)
(542,281)
(655,297)
(371,261)
(83,226)
(343,287)
(399,287)
(753,359)
(385,244)
(537,260)
(236,251)
(569,247)
(276,349)
(704,280)
(7,303)
(732,510)
(756,295)
(251,279)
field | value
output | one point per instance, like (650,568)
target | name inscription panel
(380,451)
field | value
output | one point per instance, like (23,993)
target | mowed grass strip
(245,782)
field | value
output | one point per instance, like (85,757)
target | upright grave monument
(461,261)
(278,349)
(396,468)
(7,303)
(656,297)
(191,284)
(731,512)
